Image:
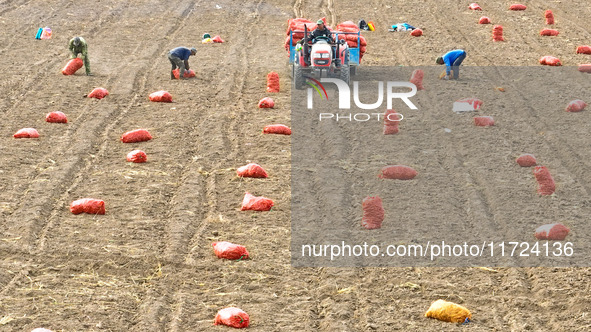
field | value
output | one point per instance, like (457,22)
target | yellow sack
(448,312)
(442,75)
(207,41)
(371,26)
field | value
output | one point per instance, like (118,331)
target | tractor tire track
(78,164)
(477,194)
(72,129)
(332,13)
(11,6)
(330,310)
(520,275)
(297,8)
(231,125)
(563,18)
(33,82)
(193,241)
(139,85)
(80,128)
(184,235)
(566,151)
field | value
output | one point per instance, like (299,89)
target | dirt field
(148,263)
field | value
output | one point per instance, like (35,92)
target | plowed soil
(148,265)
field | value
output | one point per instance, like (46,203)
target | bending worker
(179,57)
(452,60)
(77,45)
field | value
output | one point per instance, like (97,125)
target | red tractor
(322,58)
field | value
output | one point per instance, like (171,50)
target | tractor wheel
(345,74)
(298,76)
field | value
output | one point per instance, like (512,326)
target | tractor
(322,58)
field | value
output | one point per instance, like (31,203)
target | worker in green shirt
(77,46)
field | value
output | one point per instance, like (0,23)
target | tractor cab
(322,57)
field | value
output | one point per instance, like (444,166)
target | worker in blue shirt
(179,57)
(452,60)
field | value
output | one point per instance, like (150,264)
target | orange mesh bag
(475,6)
(347,29)
(272,82)
(188,73)
(361,52)
(56,117)
(549,17)
(484,20)
(498,33)
(391,120)
(576,106)
(351,43)
(217,39)
(161,97)
(88,205)
(296,38)
(484,121)
(556,232)
(546,184)
(251,170)
(550,61)
(266,102)
(398,172)
(300,26)
(549,32)
(254,203)
(297,24)
(373,212)
(229,250)
(137,156)
(292,22)
(233,317)
(277,129)
(134,136)
(526,160)
(517,7)
(416,33)
(352,40)
(417,78)
(584,49)
(98,93)
(448,312)
(72,66)
(348,25)
(362,40)
(26,133)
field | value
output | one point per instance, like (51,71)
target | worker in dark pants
(179,57)
(452,60)
(78,45)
